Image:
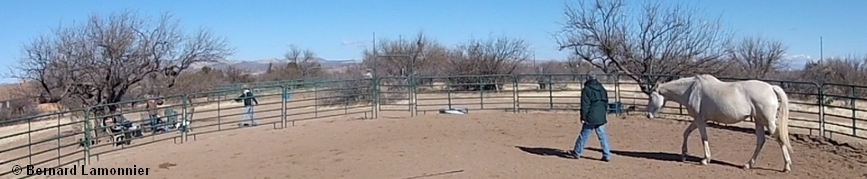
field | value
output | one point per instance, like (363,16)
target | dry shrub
(349,87)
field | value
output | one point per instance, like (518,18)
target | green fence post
(87,138)
(283,100)
(58,137)
(316,99)
(378,93)
(413,101)
(515,93)
(550,92)
(414,94)
(184,105)
(374,95)
(408,86)
(449,91)
(852,106)
(345,101)
(617,89)
(821,100)
(481,92)
(219,100)
(29,140)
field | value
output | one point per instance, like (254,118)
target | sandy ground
(479,145)
(209,120)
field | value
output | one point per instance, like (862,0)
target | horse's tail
(782,133)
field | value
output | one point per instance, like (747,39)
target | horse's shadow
(668,157)
(745,130)
(659,156)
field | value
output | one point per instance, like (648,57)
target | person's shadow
(544,151)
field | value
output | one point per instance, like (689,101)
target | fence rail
(79,136)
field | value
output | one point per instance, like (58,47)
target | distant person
(154,115)
(248,98)
(119,124)
(594,104)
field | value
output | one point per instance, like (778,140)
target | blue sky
(338,29)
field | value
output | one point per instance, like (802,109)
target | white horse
(706,98)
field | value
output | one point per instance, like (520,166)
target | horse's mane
(679,82)
(679,85)
(706,77)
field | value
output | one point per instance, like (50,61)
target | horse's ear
(655,85)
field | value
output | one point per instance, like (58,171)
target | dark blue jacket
(249,99)
(594,103)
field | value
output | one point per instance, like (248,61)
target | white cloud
(797,61)
(356,43)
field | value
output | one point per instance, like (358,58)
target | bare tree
(197,82)
(303,62)
(663,40)
(757,56)
(15,108)
(351,91)
(100,61)
(236,75)
(426,54)
(576,65)
(310,65)
(837,70)
(500,55)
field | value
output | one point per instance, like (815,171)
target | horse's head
(655,103)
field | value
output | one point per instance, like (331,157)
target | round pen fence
(80,136)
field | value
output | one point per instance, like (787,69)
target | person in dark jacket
(249,99)
(594,110)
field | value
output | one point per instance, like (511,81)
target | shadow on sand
(745,130)
(665,156)
(659,156)
(543,151)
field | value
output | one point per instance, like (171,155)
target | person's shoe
(572,154)
(606,159)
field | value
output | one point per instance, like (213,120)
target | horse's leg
(760,142)
(683,147)
(702,129)
(772,128)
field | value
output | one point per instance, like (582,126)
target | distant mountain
(796,62)
(257,66)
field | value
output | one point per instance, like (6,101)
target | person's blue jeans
(157,125)
(128,126)
(585,134)
(248,114)
(154,122)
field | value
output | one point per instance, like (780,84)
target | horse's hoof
(787,169)
(705,162)
(746,166)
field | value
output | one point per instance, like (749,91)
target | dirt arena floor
(478,145)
